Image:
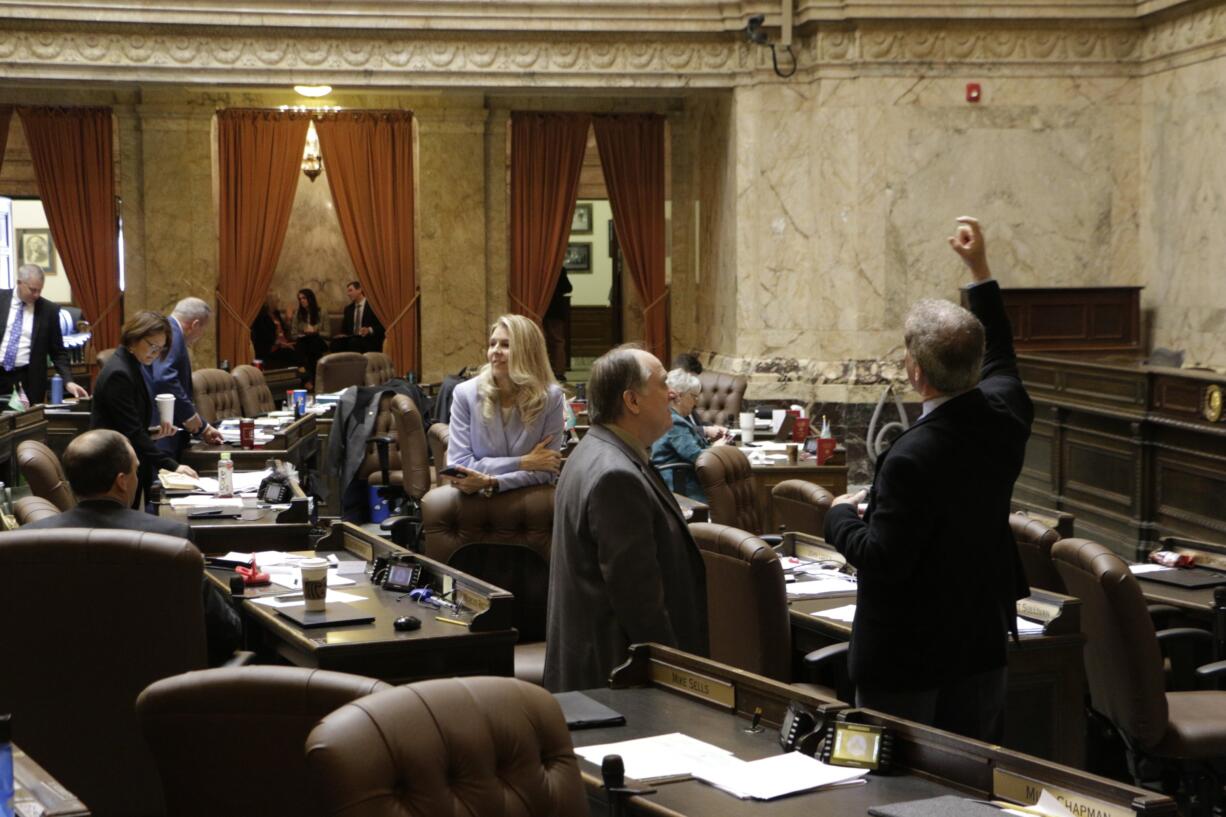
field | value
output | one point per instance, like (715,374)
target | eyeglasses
(153,347)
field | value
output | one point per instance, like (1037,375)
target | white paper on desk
(354,566)
(269,558)
(1146,568)
(196,501)
(774,776)
(792,563)
(658,758)
(822,587)
(296,600)
(291,576)
(846,613)
(1028,627)
(245,481)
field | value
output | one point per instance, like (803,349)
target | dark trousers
(973,706)
(10,381)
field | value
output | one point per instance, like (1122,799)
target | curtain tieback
(114,303)
(226,305)
(656,302)
(524,308)
(407,307)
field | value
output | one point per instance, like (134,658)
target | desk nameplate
(1026,790)
(695,684)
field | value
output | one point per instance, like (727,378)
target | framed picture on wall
(582,222)
(34,247)
(578,257)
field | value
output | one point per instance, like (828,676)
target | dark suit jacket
(368,319)
(623,570)
(173,376)
(938,569)
(122,402)
(222,626)
(45,340)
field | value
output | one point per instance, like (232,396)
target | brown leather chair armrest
(1186,649)
(1208,672)
(241,658)
(829,666)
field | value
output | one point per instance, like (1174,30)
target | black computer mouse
(407,623)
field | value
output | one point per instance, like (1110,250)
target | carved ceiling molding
(434,60)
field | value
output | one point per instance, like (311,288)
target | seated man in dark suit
(101,467)
(938,570)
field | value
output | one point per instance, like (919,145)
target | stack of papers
(245,482)
(823,583)
(196,502)
(296,600)
(285,569)
(1148,567)
(846,613)
(664,757)
(1027,627)
(776,776)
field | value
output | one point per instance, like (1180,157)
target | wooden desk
(692,509)
(1044,711)
(65,423)
(831,477)
(15,427)
(257,528)
(438,649)
(928,763)
(35,791)
(296,443)
(329,477)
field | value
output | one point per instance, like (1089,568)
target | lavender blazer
(493,448)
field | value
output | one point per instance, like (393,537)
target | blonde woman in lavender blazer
(506,426)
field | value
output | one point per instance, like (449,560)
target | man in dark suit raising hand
(938,571)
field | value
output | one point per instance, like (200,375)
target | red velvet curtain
(546,159)
(71,149)
(369,159)
(632,156)
(259,161)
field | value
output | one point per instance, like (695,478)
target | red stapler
(252,577)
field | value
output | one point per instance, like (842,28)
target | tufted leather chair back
(84,662)
(747,603)
(42,470)
(254,396)
(489,746)
(1123,661)
(215,394)
(1034,541)
(379,368)
(103,357)
(191,721)
(33,508)
(504,539)
(725,474)
(721,397)
(408,454)
(801,506)
(438,436)
(385,425)
(338,371)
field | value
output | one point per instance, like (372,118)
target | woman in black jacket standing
(122,400)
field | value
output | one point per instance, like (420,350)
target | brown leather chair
(42,471)
(84,652)
(338,371)
(254,396)
(1183,731)
(749,626)
(720,398)
(33,508)
(488,746)
(438,436)
(379,368)
(505,540)
(103,357)
(1034,541)
(408,454)
(727,478)
(801,506)
(215,394)
(230,741)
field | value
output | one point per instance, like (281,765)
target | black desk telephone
(802,729)
(840,743)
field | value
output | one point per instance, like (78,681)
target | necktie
(10,351)
(357,318)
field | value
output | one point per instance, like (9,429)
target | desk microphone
(613,773)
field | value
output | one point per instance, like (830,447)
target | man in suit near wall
(173,375)
(360,322)
(938,570)
(31,334)
(624,568)
(101,467)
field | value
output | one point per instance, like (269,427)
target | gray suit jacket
(624,568)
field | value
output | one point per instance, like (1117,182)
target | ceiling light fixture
(313,91)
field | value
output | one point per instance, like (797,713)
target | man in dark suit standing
(360,322)
(31,334)
(173,375)
(938,571)
(624,568)
(101,467)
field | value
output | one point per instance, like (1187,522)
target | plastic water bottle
(225,475)
(57,389)
(6,766)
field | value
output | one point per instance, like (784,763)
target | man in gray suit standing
(624,567)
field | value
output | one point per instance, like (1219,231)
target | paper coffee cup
(747,420)
(166,408)
(314,583)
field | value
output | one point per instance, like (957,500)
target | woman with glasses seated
(685,440)
(123,401)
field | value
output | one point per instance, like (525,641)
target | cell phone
(453,471)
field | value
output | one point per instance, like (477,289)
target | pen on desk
(446,620)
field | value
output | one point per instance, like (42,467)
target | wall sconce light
(312,160)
